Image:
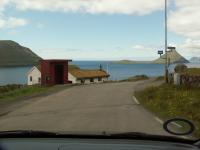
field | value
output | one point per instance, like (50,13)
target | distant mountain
(195,60)
(174,57)
(13,54)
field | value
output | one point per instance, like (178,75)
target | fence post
(177,79)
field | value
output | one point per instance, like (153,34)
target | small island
(131,62)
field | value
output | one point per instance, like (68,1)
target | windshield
(99,66)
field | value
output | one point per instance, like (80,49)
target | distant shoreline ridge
(173,58)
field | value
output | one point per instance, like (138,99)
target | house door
(59,77)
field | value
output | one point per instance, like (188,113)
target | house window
(31,78)
(99,79)
(91,80)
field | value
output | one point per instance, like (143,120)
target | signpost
(160,52)
(166,43)
(166,46)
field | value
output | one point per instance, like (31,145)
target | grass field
(135,78)
(16,93)
(159,78)
(192,71)
(168,101)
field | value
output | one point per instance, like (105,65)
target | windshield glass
(99,66)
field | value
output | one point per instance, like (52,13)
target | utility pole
(107,68)
(166,43)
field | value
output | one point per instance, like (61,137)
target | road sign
(160,52)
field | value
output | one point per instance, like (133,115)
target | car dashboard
(89,144)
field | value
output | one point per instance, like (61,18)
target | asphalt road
(94,108)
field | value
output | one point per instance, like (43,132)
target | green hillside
(174,57)
(13,54)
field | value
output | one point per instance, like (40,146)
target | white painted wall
(72,78)
(104,79)
(78,81)
(36,76)
(96,80)
(87,81)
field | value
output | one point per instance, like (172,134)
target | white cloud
(141,51)
(137,7)
(144,47)
(133,7)
(185,19)
(3,3)
(189,48)
(11,22)
(192,44)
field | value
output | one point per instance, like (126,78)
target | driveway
(94,108)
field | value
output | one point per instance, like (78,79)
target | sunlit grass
(25,92)
(192,71)
(21,92)
(136,78)
(168,101)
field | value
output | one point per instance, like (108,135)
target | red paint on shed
(54,72)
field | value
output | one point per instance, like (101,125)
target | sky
(101,29)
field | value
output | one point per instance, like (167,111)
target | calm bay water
(13,75)
(18,75)
(123,71)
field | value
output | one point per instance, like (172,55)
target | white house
(83,76)
(34,76)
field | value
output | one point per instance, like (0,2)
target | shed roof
(82,73)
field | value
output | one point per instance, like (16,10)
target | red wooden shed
(54,71)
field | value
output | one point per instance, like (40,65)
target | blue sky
(85,35)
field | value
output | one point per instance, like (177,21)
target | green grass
(21,92)
(136,78)
(159,78)
(168,101)
(192,71)
(7,88)
(26,92)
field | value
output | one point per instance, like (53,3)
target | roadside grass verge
(7,88)
(160,78)
(135,78)
(169,101)
(24,92)
(192,71)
